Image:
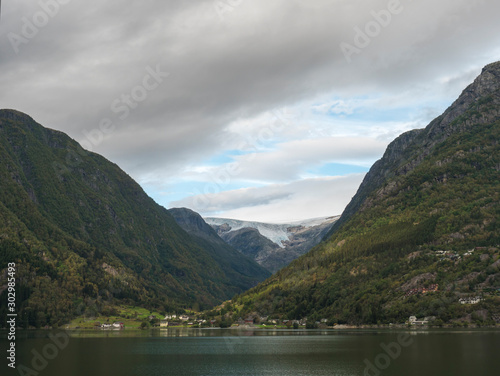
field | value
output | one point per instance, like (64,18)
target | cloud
(289,161)
(231,71)
(307,198)
(338,107)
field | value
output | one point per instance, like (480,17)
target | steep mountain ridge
(277,233)
(408,150)
(420,237)
(79,228)
(194,224)
(272,245)
(222,252)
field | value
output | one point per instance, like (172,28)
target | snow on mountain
(277,233)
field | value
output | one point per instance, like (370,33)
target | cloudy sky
(269,110)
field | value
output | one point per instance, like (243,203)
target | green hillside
(85,236)
(236,263)
(422,232)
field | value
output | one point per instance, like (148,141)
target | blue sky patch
(338,169)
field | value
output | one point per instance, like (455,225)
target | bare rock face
(270,245)
(194,224)
(480,101)
(418,281)
(487,84)
(222,229)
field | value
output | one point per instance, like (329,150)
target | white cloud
(231,75)
(307,198)
(290,160)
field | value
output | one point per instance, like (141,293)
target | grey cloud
(260,56)
(241,198)
(292,159)
(298,200)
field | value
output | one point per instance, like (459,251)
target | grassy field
(130,316)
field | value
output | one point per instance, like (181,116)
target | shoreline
(255,328)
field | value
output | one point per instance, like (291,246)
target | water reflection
(215,352)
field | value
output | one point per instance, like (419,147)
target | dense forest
(421,234)
(85,237)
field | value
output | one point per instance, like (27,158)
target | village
(193,321)
(223,317)
(250,321)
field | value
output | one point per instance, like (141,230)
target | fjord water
(187,352)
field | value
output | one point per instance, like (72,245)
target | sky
(263,110)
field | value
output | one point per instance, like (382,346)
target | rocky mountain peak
(14,115)
(487,87)
(478,104)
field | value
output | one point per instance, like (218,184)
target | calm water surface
(208,352)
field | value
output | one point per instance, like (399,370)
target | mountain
(222,252)
(272,245)
(250,242)
(85,236)
(420,237)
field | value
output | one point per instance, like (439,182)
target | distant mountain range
(82,233)
(207,238)
(272,245)
(421,237)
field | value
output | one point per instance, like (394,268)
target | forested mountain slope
(83,233)
(222,252)
(421,233)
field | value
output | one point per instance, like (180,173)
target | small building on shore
(414,321)
(470,300)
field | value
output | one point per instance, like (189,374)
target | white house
(163,323)
(184,317)
(471,300)
(414,321)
